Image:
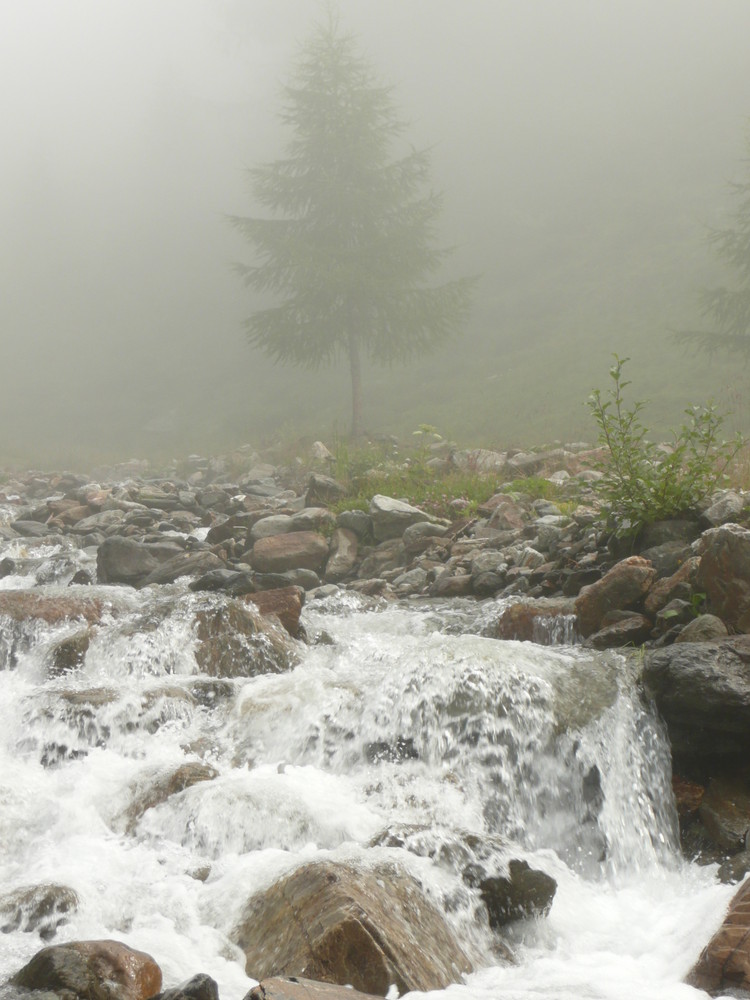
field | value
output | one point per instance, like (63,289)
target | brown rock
(341,924)
(302,989)
(234,640)
(22,604)
(296,550)
(92,970)
(154,789)
(284,602)
(677,585)
(725,812)
(521,620)
(39,908)
(632,630)
(623,587)
(725,961)
(704,628)
(69,653)
(724,574)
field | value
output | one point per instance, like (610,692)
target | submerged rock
(37,908)
(524,892)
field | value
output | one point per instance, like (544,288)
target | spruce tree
(348,246)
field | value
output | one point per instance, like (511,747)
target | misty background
(583,148)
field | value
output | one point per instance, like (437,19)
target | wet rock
(200,987)
(69,653)
(679,585)
(385,557)
(702,691)
(37,909)
(522,620)
(294,988)
(296,550)
(450,584)
(724,574)
(724,963)
(390,518)
(20,605)
(230,581)
(154,788)
(125,560)
(233,640)
(342,560)
(524,892)
(341,924)
(273,524)
(704,628)
(725,812)
(632,630)
(286,603)
(92,970)
(184,564)
(623,587)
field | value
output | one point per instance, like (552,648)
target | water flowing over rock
(200,987)
(342,925)
(235,641)
(725,962)
(92,970)
(37,908)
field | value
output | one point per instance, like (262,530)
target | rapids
(400,728)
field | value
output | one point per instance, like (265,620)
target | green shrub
(641,482)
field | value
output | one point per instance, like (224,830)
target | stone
(342,560)
(680,584)
(726,508)
(524,892)
(338,923)
(734,869)
(69,653)
(229,581)
(725,812)
(702,691)
(724,963)
(450,584)
(416,534)
(125,560)
(184,564)
(273,524)
(154,788)
(390,518)
(92,970)
(521,619)
(296,550)
(704,628)
(303,989)
(622,588)
(20,605)
(724,574)
(39,909)
(200,987)
(633,630)
(357,521)
(313,519)
(479,460)
(284,602)
(234,640)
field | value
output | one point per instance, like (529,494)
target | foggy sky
(559,128)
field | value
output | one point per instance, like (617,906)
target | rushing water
(396,731)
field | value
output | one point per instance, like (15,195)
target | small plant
(641,483)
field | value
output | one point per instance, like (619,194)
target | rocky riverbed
(243,555)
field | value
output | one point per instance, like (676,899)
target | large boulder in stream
(124,560)
(343,924)
(724,963)
(91,970)
(702,690)
(23,605)
(235,640)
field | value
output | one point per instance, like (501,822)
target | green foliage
(349,245)
(641,481)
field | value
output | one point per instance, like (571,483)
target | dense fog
(582,148)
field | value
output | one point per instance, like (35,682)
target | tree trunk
(355,369)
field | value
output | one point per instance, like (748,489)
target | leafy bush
(641,481)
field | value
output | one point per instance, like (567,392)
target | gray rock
(390,518)
(724,509)
(274,524)
(343,555)
(184,564)
(704,628)
(357,521)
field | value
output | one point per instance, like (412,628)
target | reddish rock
(679,584)
(623,587)
(724,574)
(296,550)
(53,609)
(630,631)
(341,924)
(725,812)
(92,970)
(234,640)
(725,961)
(522,620)
(284,602)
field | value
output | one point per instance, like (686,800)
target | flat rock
(284,602)
(342,560)
(20,605)
(234,640)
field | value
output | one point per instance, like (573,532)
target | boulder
(704,628)
(724,574)
(296,550)
(184,564)
(92,970)
(124,560)
(20,605)
(234,640)
(284,602)
(200,987)
(679,585)
(702,691)
(154,788)
(343,555)
(632,630)
(725,812)
(724,509)
(338,923)
(724,963)
(522,620)
(623,587)
(37,909)
(524,892)
(390,518)
(273,524)
(322,490)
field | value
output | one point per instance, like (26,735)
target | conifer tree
(347,249)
